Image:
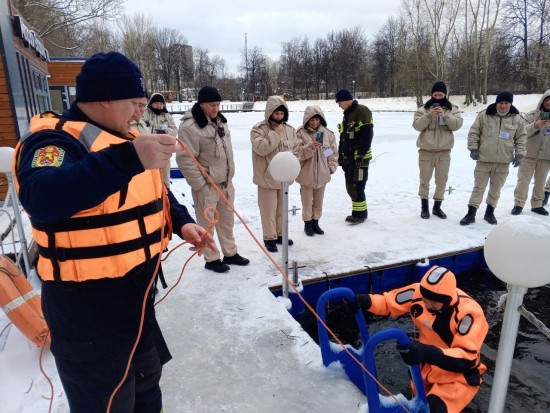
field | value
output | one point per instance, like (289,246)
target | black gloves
(364,301)
(517,161)
(416,352)
(474,154)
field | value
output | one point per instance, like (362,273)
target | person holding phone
(436,121)
(536,162)
(317,152)
(159,120)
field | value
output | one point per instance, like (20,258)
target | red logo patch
(48,156)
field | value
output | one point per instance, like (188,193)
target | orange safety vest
(110,239)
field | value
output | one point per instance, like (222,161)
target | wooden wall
(63,73)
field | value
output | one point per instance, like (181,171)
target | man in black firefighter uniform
(354,152)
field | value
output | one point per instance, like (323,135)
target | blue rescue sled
(332,352)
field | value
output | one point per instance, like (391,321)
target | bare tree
(49,17)
(166,46)
(98,37)
(136,41)
(442,17)
(254,66)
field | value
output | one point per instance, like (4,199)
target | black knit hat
(157,97)
(505,97)
(439,87)
(108,76)
(342,95)
(209,94)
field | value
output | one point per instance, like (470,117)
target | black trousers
(356,181)
(93,326)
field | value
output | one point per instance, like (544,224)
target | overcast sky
(220,25)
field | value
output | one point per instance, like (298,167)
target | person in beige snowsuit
(269,137)
(158,120)
(496,138)
(436,121)
(205,132)
(537,158)
(317,151)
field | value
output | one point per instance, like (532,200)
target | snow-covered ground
(235,347)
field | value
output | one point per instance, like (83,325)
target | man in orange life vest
(451,327)
(98,210)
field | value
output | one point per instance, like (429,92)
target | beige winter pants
(428,161)
(494,173)
(270,202)
(206,197)
(530,167)
(312,202)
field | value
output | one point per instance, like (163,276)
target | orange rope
(157,266)
(230,205)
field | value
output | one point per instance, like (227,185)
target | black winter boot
(270,245)
(546,196)
(516,210)
(437,210)
(425,211)
(216,266)
(490,215)
(470,217)
(316,228)
(308,229)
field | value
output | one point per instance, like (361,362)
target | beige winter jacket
(538,143)
(266,143)
(140,126)
(214,153)
(163,121)
(433,136)
(497,137)
(317,164)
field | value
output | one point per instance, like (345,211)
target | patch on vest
(465,324)
(48,156)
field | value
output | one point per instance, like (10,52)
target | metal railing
(224,107)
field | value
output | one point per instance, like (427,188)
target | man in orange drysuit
(451,327)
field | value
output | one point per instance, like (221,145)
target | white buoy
(6,159)
(284,167)
(515,252)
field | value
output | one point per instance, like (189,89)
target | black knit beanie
(505,97)
(343,95)
(209,94)
(109,76)
(439,87)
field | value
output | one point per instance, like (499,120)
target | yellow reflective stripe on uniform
(359,206)
(367,155)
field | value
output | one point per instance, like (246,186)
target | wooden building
(62,81)
(23,77)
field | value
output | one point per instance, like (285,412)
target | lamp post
(284,167)
(515,252)
(353,89)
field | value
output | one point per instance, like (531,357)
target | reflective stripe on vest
(110,239)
